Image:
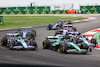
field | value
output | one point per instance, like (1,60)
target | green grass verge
(26,21)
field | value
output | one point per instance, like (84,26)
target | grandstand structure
(37,9)
(90,9)
(33,8)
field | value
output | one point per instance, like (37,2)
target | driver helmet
(65,27)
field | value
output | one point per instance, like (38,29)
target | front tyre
(84,46)
(63,48)
(46,44)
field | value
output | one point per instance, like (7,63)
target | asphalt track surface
(46,57)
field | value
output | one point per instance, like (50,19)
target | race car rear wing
(11,34)
(73,33)
(52,37)
(55,37)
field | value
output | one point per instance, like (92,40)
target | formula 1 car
(59,25)
(25,31)
(64,44)
(77,39)
(16,41)
(65,30)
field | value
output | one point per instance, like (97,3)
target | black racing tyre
(34,43)
(93,41)
(34,31)
(12,44)
(50,27)
(84,46)
(46,44)
(75,40)
(74,28)
(4,41)
(63,48)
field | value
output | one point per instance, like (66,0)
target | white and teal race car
(64,45)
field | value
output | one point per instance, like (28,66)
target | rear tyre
(34,31)
(46,44)
(34,43)
(93,41)
(33,35)
(4,41)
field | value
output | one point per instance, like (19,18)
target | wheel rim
(11,45)
(1,41)
(83,45)
(44,44)
(62,48)
(35,33)
(74,41)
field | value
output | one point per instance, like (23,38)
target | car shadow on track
(74,53)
